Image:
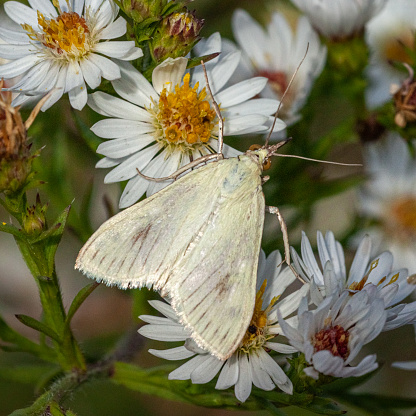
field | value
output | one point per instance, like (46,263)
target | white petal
(78,97)
(18,67)
(164,332)
(91,73)
(178,353)
(114,49)
(118,148)
(261,378)
(207,370)
(244,382)
(14,51)
(73,76)
(405,365)
(115,107)
(240,92)
(109,69)
(128,168)
(168,74)
(184,371)
(229,374)
(165,309)
(118,128)
(13,36)
(114,30)
(21,14)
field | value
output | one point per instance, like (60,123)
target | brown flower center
(334,339)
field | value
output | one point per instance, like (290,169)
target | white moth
(197,240)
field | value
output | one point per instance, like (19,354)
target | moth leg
(283,227)
(183,169)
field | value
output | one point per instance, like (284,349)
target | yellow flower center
(186,116)
(357,286)
(66,35)
(400,219)
(396,48)
(257,335)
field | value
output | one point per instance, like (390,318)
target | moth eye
(254,147)
(266,164)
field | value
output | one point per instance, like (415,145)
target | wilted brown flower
(15,157)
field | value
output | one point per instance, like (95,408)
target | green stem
(66,385)
(68,351)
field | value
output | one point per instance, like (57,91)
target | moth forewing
(197,240)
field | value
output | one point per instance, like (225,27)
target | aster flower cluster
(132,87)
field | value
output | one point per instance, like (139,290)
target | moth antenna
(217,111)
(284,95)
(317,160)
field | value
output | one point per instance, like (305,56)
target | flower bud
(140,10)
(34,221)
(176,35)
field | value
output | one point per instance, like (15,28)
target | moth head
(265,153)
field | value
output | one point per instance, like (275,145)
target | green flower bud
(140,10)
(176,36)
(34,221)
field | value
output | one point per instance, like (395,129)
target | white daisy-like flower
(162,126)
(332,335)
(388,35)
(62,47)
(251,363)
(276,54)
(376,276)
(388,198)
(339,19)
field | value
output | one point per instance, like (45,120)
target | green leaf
(26,373)
(11,229)
(79,299)
(155,382)
(38,326)
(22,344)
(344,384)
(55,236)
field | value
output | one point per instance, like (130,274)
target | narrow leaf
(38,326)
(79,299)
